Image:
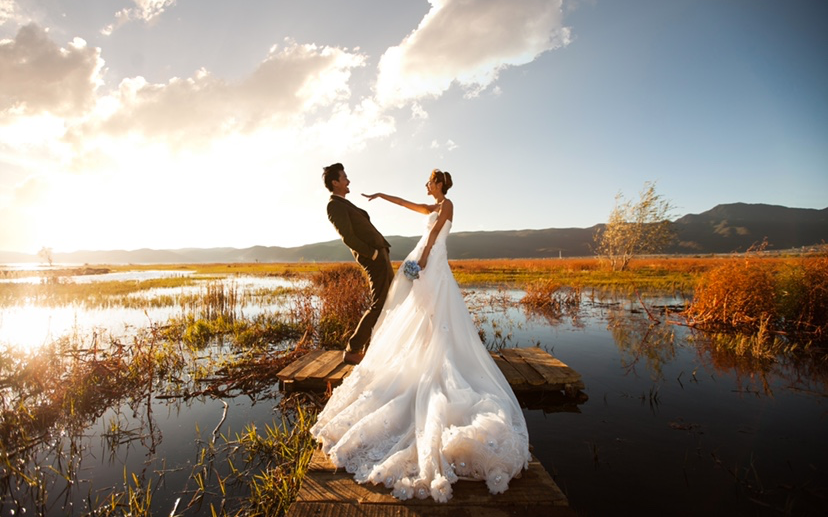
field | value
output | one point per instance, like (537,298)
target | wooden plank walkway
(528,370)
(328,492)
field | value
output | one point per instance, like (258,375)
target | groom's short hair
(331,174)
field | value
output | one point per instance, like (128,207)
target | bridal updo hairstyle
(442,177)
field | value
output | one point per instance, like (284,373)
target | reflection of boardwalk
(327,492)
(530,371)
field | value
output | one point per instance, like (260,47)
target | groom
(370,249)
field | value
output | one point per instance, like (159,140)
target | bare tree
(46,255)
(635,228)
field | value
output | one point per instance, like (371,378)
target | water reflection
(29,325)
(137,456)
(641,338)
(37,276)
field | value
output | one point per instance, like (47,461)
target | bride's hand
(372,197)
(422,263)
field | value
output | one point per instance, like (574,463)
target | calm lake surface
(671,427)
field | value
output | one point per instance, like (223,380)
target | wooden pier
(328,492)
(539,380)
(530,371)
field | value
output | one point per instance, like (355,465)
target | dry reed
(775,304)
(551,300)
(344,296)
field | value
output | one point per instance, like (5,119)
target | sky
(167,124)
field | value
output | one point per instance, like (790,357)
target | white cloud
(144,10)
(449,145)
(174,143)
(39,76)
(467,42)
(293,88)
(8,10)
(148,9)
(417,112)
(298,97)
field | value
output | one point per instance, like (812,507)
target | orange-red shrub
(344,296)
(758,296)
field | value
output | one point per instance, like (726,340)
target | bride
(427,405)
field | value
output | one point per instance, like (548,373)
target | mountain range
(725,228)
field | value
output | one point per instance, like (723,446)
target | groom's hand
(375,255)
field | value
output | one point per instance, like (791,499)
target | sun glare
(28,327)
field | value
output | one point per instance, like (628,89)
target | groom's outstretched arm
(341,219)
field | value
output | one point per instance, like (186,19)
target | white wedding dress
(427,405)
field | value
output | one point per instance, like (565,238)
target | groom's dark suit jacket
(355,228)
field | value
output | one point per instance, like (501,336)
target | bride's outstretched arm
(417,207)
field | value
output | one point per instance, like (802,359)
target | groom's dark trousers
(357,232)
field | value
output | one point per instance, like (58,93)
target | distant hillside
(723,229)
(738,226)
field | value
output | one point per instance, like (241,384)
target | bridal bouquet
(411,269)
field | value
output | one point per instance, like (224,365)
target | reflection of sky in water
(163,439)
(121,276)
(31,326)
(27,325)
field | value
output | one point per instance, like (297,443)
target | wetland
(152,390)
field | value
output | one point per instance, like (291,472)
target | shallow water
(120,276)
(28,325)
(670,427)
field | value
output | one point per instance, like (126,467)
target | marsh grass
(262,269)
(762,307)
(344,296)
(648,275)
(69,383)
(551,300)
(252,473)
(281,457)
(52,394)
(91,294)
(50,398)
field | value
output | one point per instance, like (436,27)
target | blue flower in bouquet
(411,269)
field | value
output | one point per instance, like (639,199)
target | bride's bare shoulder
(447,209)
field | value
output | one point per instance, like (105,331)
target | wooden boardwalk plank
(340,373)
(556,373)
(513,376)
(327,491)
(532,377)
(573,383)
(321,367)
(527,370)
(288,371)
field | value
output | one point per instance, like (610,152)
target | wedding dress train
(427,405)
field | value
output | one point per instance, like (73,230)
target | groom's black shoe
(352,357)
